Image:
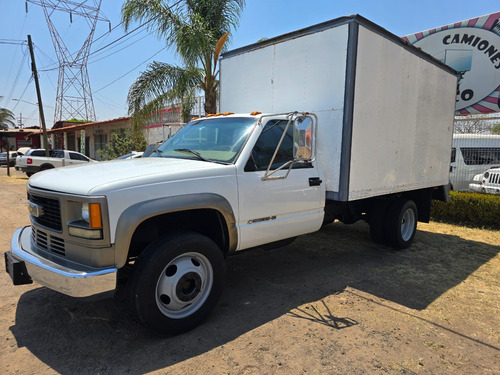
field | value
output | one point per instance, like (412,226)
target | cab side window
(74,156)
(265,146)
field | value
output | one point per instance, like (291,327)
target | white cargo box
(385,108)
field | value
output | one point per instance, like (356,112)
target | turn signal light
(95,215)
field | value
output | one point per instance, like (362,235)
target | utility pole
(39,96)
(20,121)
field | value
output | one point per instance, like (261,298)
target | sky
(114,63)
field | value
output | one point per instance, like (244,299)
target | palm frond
(7,118)
(162,83)
(199,31)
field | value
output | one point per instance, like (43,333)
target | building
(162,125)
(89,138)
(86,138)
(13,139)
(165,123)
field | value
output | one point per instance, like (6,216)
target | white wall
(402,121)
(301,74)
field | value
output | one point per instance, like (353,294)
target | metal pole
(39,96)
(8,159)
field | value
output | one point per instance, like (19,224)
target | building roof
(27,131)
(61,128)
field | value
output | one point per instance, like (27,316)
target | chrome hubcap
(407,224)
(184,285)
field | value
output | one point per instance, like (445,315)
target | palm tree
(7,119)
(197,30)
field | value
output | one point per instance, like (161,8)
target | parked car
(36,161)
(132,155)
(487,182)
(12,158)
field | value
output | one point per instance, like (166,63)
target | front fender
(133,216)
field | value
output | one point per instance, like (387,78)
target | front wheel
(177,282)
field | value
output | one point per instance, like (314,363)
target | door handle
(314,181)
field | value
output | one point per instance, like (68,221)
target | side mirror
(303,143)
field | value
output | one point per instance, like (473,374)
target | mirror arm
(278,147)
(269,176)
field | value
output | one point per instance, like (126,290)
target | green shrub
(471,209)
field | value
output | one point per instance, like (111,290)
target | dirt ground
(330,303)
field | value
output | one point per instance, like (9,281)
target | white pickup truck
(359,127)
(36,161)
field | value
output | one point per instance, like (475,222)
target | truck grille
(51,217)
(494,178)
(48,242)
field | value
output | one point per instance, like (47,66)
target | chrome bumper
(66,277)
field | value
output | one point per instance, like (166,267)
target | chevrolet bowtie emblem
(35,209)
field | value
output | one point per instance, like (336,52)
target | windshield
(215,140)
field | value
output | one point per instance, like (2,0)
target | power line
(130,32)
(130,71)
(106,34)
(120,38)
(121,49)
(9,97)
(13,41)
(24,91)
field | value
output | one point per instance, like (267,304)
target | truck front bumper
(66,277)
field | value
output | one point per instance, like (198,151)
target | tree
(198,31)
(123,141)
(471,125)
(496,129)
(7,119)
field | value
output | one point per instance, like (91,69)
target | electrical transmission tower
(74,96)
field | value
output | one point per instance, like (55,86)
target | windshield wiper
(195,153)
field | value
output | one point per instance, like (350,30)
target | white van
(472,154)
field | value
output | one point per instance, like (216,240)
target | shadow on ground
(99,336)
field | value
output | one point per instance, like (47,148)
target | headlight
(91,213)
(486,175)
(90,225)
(85,212)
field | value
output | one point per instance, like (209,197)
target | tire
(46,166)
(401,223)
(177,282)
(377,222)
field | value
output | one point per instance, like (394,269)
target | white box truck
(358,125)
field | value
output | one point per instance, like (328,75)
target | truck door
(288,204)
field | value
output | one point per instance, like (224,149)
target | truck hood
(101,178)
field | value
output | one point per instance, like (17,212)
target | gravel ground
(332,302)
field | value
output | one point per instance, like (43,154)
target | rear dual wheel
(177,282)
(394,223)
